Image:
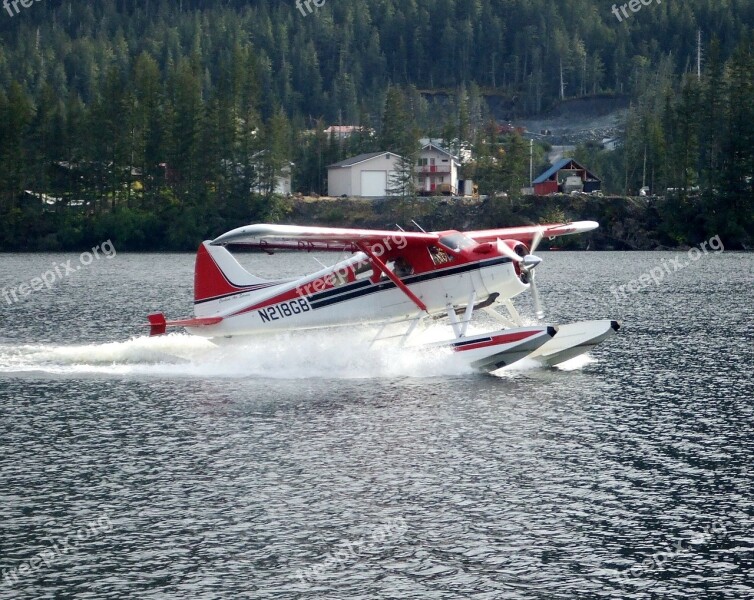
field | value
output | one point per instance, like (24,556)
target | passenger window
(338,278)
(400,266)
(439,256)
(363,270)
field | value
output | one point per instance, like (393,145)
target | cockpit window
(456,242)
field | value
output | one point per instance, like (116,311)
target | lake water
(313,467)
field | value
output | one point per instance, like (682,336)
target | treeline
(337,61)
(166,121)
(692,143)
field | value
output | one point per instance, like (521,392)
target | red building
(566,176)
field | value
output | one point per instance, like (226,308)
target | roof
(431,144)
(562,164)
(343,128)
(255,156)
(350,162)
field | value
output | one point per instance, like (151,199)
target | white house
(365,175)
(612,144)
(437,170)
(283,179)
(343,132)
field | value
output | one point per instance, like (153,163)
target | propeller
(528,265)
(538,311)
(537,239)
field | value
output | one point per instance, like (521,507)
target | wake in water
(330,354)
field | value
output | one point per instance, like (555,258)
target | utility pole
(699,54)
(531,162)
(644,172)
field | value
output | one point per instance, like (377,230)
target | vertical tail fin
(217,275)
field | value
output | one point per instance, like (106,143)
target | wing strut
(391,276)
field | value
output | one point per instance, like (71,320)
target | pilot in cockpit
(402,268)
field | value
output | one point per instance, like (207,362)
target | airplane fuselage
(338,296)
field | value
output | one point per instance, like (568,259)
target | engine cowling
(521,250)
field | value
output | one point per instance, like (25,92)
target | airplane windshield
(456,241)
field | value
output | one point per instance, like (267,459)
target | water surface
(311,466)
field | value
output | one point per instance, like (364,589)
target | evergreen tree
(158,109)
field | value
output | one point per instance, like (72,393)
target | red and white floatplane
(396,281)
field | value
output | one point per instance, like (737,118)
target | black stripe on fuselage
(373,288)
(316,297)
(455,270)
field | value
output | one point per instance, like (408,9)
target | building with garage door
(566,176)
(365,175)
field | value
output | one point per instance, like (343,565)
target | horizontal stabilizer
(158,324)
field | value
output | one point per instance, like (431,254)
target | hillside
(336,62)
(171,114)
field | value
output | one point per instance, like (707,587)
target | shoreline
(626,223)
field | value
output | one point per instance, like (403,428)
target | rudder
(217,274)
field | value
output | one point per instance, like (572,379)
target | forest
(163,122)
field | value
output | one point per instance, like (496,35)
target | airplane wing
(295,237)
(527,233)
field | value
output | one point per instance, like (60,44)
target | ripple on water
(230,472)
